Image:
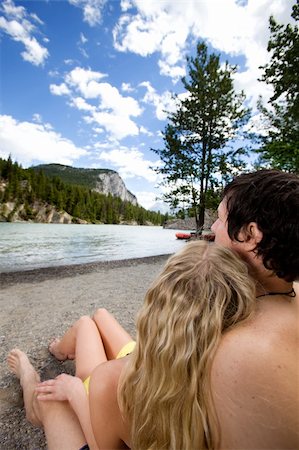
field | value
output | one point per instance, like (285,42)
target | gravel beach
(38,305)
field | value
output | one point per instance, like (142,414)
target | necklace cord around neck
(290,293)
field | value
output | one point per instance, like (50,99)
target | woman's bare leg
(84,342)
(113,335)
(62,428)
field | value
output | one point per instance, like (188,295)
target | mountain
(103,181)
(160,206)
(30,195)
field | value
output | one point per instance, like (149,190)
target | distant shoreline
(45,273)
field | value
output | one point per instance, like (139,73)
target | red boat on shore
(183,235)
(205,237)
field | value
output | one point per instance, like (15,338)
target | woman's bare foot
(20,365)
(54,350)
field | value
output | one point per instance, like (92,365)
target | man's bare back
(255,379)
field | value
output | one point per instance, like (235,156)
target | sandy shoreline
(41,303)
(44,273)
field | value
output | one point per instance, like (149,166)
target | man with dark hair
(255,377)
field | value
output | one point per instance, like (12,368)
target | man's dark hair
(271,199)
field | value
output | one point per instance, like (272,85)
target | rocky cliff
(112,183)
(39,213)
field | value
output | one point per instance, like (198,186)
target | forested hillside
(72,175)
(103,181)
(29,188)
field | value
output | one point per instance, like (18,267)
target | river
(25,246)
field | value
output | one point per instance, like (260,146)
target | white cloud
(146,199)
(59,89)
(259,124)
(38,20)
(126,87)
(53,73)
(34,53)
(116,125)
(81,104)
(145,131)
(247,81)
(37,118)
(246,33)
(97,130)
(112,99)
(84,81)
(83,39)
(17,24)
(127,32)
(163,103)
(29,143)
(92,10)
(129,163)
(69,62)
(155,28)
(171,27)
(174,72)
(125,5)
(83,52)
(113,111)
(10,10)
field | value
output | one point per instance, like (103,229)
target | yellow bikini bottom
(126,350)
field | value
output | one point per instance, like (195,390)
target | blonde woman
(159,396)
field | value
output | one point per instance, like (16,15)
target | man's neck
(267,282)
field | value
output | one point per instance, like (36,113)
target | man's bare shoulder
(275,322)
(270,340)
(255,378)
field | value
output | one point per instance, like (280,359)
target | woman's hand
(64,387)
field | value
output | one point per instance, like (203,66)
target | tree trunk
(201,217)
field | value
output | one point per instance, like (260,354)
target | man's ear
(251,235)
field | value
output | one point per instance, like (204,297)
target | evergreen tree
(196,137)
(40,187)
(6,168)
(141,216)
(280,146)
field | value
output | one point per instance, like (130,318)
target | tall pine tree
(195,152)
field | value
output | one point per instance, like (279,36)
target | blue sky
(86,82)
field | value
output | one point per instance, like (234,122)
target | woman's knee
(49,412)
(83,321)
(100,314)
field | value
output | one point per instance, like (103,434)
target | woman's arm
(71,389)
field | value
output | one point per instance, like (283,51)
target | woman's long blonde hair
(165,393)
